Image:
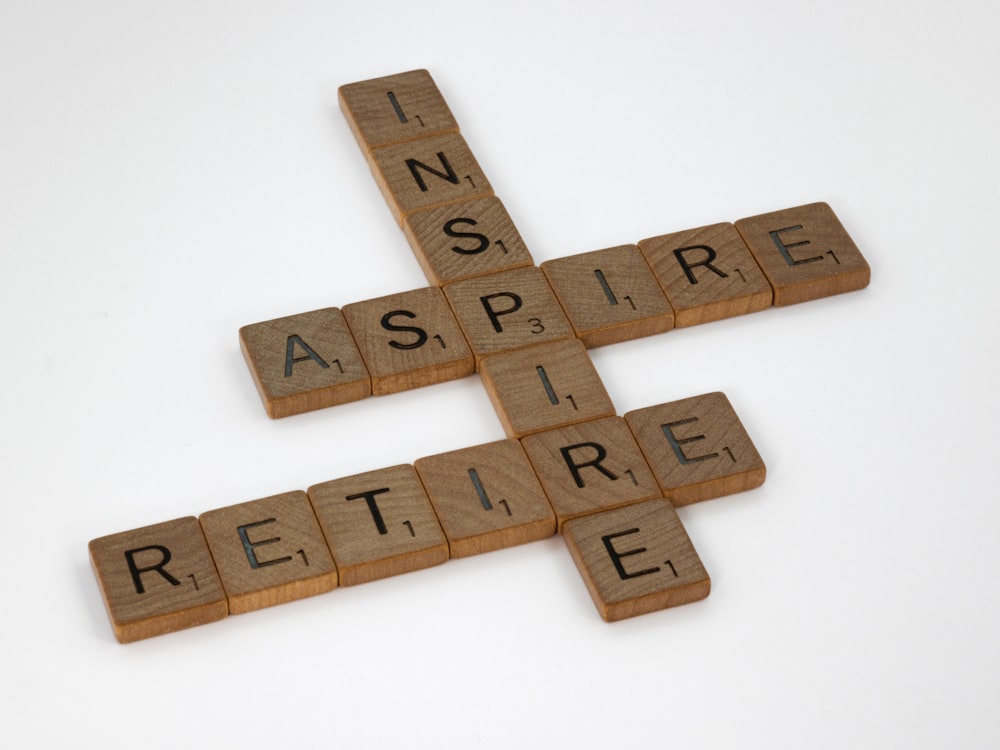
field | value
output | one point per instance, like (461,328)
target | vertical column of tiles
(509,310)
(805,252)
(707,274)
(697,448)
(157,579)
(379,524)
(304,362)
(590,467)
(466,239)
(609,295)
(545,386)
(428,172)
(636,560)
(486,497)
(269,551)
(395,108)
(409,340)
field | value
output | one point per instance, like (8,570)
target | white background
(170,172)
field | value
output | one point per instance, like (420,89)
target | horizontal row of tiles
(394,520)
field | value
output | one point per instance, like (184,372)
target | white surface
(172,171)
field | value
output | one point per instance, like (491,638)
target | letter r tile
(636,559)
(379,524)
(805,252)
(304,362)
(158,579)
(269,551)
(487,497)
(395,108)
(707,274)
(697,448)
(544,386)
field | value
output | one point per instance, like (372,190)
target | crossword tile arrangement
(570,465)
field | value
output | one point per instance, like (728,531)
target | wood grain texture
(379,524)
(697,448)
(304,362)
(409,340)
(609,295)
(486,497)
(432,171)
(509,310)
(466,239)
(269,551)
(805,252)
(590,467)
(637,559)
(157,579)
(707,274)
(544,386)
(395,108)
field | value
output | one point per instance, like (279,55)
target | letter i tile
(487,497)
(379,524)
(158,579)
(269,551)
(636,559)
(697,448)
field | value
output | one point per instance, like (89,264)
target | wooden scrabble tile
(805,252)
(486,497)
(697,448)
(544,386)
(609,295)
(269,551)
(466,239)
(707,274)
(379,524)
(429,172)
(157,579)
(590,467)
(409,340)
(636,559)
(395,108)
(304,362)
(507,311)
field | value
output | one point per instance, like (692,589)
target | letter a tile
(544,386)
(707,274)
(158,579)
(269,551)
(636,560)
(395,108)
(487,497)
(304,362)
(379,524)
(805,253)
(697,448)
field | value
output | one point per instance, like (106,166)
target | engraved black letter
(495,314)
(676,444)
(158,567)
(616,556)
(291,359)
(596,463)
(373,507)
(420,332)
(783,248)
(248,546)
(484,241)
(707,262)
(448,174)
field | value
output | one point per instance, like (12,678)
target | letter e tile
(158,579)
(697,448)
(304,362)
(379,524)
(707,274)
(636,559)
(544,386)
(805,252)
(269,551)
(486,497)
